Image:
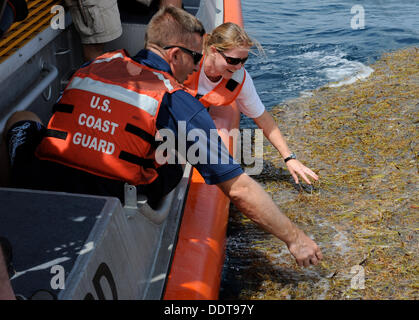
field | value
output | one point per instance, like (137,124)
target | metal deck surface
(45,229)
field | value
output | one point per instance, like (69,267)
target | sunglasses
(231,60)
(196,56)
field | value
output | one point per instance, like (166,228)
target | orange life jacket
(105,122)
(223,94)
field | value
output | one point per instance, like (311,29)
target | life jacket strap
(142,134)
(145,163)
(62,107)
(56,134)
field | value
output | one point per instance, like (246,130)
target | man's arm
(244,192)
(250,198)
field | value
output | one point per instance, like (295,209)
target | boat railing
(47,75)
(136,203)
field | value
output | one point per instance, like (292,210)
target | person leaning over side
(135,97)
(222,79)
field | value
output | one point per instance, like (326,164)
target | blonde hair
(229,36)
(170,26)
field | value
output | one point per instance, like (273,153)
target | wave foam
(363,73)
(335,67)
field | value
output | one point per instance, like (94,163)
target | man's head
(176,35)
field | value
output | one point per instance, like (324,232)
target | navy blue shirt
(181,106)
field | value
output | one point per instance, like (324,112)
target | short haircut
(172,26)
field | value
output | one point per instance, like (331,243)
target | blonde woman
(222,79)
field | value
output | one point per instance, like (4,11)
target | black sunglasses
(196,56)
(231,60)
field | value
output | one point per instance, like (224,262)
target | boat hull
(70,246)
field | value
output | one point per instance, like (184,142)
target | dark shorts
(29,172)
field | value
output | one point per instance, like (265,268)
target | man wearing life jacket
(101,134)
(98,137)
(107,115)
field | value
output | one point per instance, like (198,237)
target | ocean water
(308,44)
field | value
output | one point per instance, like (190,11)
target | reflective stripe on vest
(105,122)
(133,98)
(223,93)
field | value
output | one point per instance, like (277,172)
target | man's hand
(305,250)
(250,198)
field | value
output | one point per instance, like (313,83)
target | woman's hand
(296,168)
(274,135)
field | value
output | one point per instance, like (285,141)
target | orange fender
(200,251)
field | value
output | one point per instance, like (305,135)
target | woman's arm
(274,135)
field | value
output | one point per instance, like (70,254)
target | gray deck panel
(44,228)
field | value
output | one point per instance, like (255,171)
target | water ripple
(319,34)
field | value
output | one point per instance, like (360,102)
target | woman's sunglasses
(196,56)
(231,60)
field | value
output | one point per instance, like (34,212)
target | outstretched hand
(296,168)
(305,251)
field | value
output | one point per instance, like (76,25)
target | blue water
(310,43)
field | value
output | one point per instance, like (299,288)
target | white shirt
(248,99)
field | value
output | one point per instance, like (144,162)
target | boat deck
(46,229)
